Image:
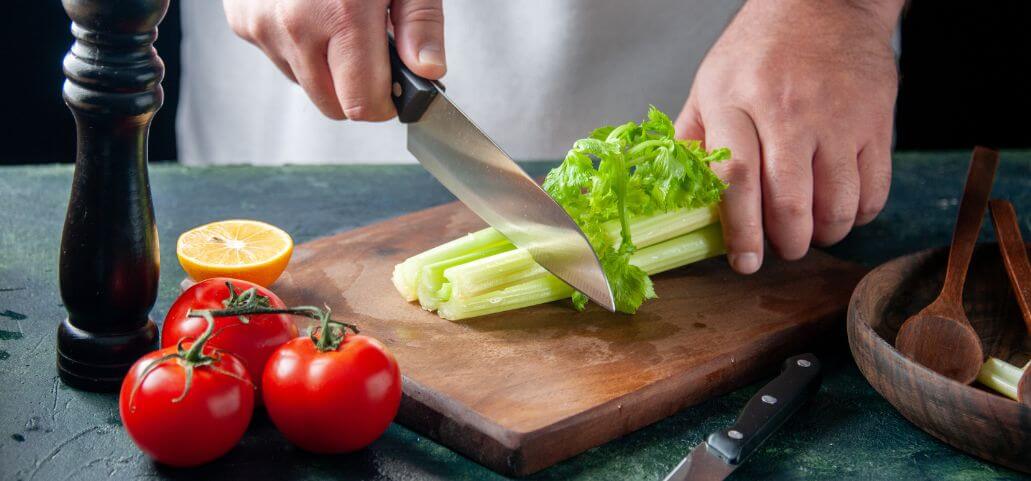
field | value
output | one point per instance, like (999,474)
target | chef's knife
(723,451)
(482,176)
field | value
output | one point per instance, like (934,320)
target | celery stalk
(538,291)
(406,274)
(431,279)
(517,266)
(685,249)
(653,229)
(1000,376)
(680,251)
(493,273)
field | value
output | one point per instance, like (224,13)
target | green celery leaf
(630,170)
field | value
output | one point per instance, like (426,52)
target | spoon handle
(968,224)
(1014,255)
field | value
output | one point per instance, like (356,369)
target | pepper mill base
(98,362)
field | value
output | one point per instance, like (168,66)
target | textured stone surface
(50,432)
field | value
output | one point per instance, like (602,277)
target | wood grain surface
(522,390)
(970,418)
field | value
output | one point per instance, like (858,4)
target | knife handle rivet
(396,89)
(735,434)
(804,363)
(769,399)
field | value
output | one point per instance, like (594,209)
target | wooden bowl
(982,423)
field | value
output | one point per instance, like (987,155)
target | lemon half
(242,249)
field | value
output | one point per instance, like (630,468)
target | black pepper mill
(109,249)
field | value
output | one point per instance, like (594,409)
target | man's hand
(802,92)
(337,49)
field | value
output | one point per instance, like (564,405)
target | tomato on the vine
(253,342)
(187,405)
(332,393)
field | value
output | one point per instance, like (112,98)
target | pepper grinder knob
(109,259)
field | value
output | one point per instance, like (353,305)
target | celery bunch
(645,200)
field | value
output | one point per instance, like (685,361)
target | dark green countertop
(51,432)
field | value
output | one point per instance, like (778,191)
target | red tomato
(253,342)
(335,401)
(205,424)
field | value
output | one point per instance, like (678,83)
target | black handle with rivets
(768,409)
(411,93)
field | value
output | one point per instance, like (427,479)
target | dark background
(965,79)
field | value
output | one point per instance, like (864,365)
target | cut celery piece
(1001,376)
(689,248)
(431,279)
(406,274)
(493,273)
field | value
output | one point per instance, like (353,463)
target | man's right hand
(337,49)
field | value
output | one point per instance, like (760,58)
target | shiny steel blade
(701,465)
(482,176)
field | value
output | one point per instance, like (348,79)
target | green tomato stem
(330,332)
(195,354)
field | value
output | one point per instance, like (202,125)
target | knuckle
(874,196)
(838,202)
(788,104)
(738,173)
(785,165)
(789,206)
(293,20)
(868,209)
(424,11)
(349,12)
(240,29)
(367,111)
(835,214)
(249,29)
(742,233)
(783,100)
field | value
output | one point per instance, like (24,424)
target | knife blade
(472,166)
(723,451)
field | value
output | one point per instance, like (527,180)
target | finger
(311,70)
(741,209)
(358,62)
(787,191)
(835,192)
(419,31)
(689,122)
(280,63)
(874,165)
(257,30)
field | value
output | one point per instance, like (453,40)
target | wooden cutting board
(522,390)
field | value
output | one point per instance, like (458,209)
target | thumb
(419,32)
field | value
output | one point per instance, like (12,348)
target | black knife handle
(411,93)
(768,409)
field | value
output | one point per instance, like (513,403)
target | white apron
(534,74)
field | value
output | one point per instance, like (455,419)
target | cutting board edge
(517,453)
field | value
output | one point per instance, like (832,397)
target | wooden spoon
(1014,255)
(940,336)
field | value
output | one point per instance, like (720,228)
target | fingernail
(431,55)
(745,263)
